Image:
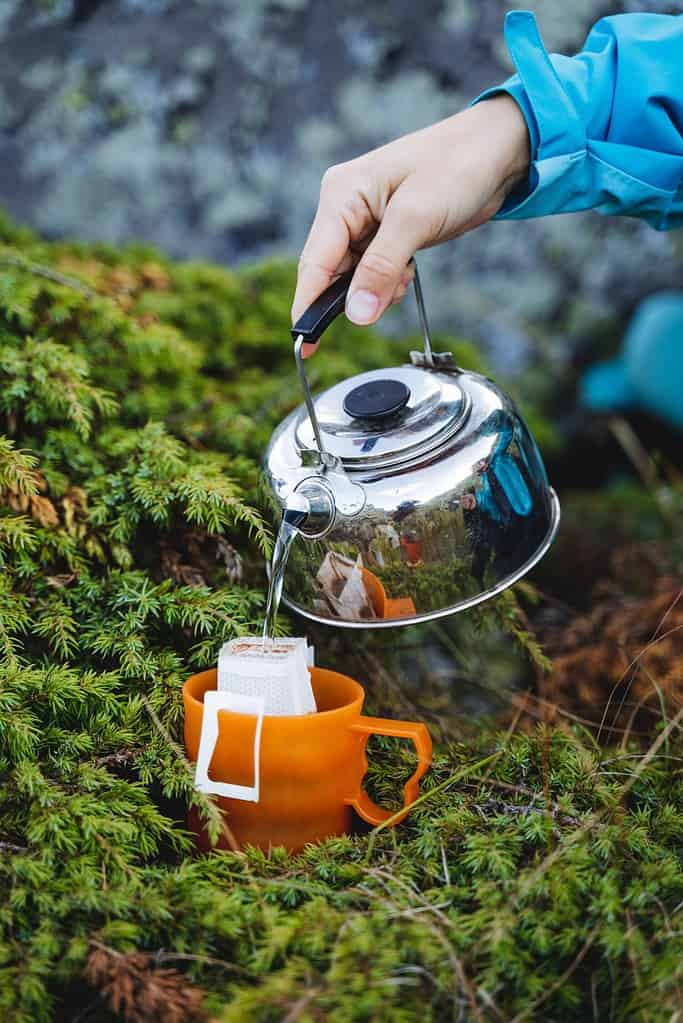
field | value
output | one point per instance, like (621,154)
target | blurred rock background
(204,126)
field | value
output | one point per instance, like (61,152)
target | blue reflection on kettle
(502,466)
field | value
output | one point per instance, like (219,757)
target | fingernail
(362,307)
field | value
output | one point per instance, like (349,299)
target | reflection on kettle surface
(441,532)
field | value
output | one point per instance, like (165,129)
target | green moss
(543,883)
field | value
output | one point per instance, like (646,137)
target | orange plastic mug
(307,773)
(386,607)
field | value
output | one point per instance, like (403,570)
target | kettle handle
(326,308)
(320,314)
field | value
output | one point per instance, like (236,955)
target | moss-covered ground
(540,877)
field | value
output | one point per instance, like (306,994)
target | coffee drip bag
(276,670)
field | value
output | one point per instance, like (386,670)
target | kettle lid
(385,416)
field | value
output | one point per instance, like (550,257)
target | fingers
(346,232)
(308,350)
(406,281)
(312,280)
(384,264)
(342,220)
(325,256)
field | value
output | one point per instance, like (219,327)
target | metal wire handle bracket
(347,497)
(427,355)
(427,358)
(325,457)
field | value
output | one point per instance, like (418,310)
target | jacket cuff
(513,87)
(557,135)
(567,105)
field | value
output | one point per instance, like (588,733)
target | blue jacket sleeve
(606,126)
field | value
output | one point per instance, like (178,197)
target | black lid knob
(376,399)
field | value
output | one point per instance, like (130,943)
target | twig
(668,611)
(513,809)
(166,957)
(117,759)
(520,790)
(444,863)
(301,1005)
(385,877)
(635,662)
(641,703)
(12,847)
(412,911)
(38,270)
(116,856)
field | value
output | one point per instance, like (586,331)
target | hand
(425,188)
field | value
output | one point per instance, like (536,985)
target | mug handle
(419,735)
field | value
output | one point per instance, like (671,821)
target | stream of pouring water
(285,538)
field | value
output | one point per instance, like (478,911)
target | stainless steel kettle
(418,491)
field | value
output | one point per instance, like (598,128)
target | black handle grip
(326,308)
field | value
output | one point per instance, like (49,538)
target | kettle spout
(309,509)
(297,509)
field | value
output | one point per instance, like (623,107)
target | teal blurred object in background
(648,373)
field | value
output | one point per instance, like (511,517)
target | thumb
(402,231)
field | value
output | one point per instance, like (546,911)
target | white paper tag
(215,700)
